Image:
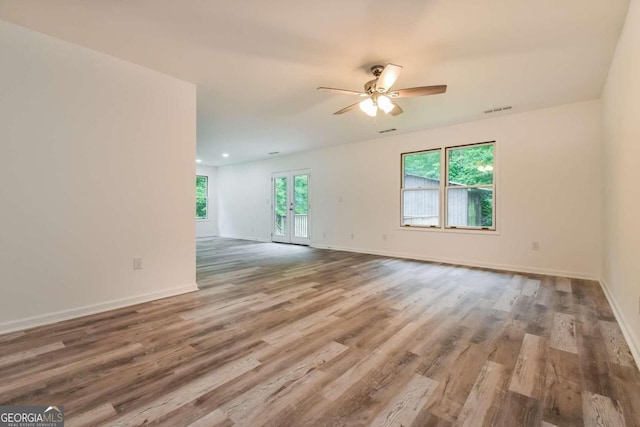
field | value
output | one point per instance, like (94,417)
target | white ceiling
(257,63)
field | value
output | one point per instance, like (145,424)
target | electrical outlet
(352,236)
(137,263)
(535,246)
(340,199)
(384,237)
(324,234)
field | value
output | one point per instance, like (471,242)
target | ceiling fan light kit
(369,107)
(378,92)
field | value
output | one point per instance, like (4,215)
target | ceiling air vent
(388,130)
(495,110)
(273,152)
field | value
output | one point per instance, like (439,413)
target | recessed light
(198,160)
(225,154)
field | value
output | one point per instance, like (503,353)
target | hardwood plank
(528,375)
(595,374)
(11,336)
(39,380)
(562,401)
(519,410)
(563,333)
(92,417)
(615,343)
(455,384)
(626,380)
(508,299)
(506,347)
(600,411)
(358,371)
(215,418)
(403,410)
(300,328)
(485,397)
(186,393)
(245,408)
(530,288)
(28,354)
(563,284)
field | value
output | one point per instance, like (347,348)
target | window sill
(451,230)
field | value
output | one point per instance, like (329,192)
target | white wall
(549,191)
(96,168)
(621,153)
(209,227)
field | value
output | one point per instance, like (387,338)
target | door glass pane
(280,206)
(201,196)
(421,207)
(301,205)
(470,207)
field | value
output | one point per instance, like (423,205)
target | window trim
(443,189)
(206,218)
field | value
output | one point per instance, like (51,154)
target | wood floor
(292,336)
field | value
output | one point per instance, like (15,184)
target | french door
(290,207)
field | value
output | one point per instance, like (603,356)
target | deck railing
(301,225)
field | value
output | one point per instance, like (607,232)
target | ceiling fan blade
(396,109)
(341,91)
(388,77)
(346,109)
(418,91)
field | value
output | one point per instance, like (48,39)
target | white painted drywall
(209,227)
(621,173)
(96,168)
(549,190)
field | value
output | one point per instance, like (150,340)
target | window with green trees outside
(202,199)
(465,186)
(470,186)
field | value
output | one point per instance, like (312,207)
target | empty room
(411,213)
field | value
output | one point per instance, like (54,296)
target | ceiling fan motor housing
(377,70)
(370,86)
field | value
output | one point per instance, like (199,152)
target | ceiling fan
(378,92)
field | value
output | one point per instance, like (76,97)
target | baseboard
(49,318)
(252,238)
(467,263)
(634,345)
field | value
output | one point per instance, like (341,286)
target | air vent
(388,130)
(495,110)
(274,152)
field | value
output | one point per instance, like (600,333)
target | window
(466,198)
(202,199)
(421,188)
(470,187)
